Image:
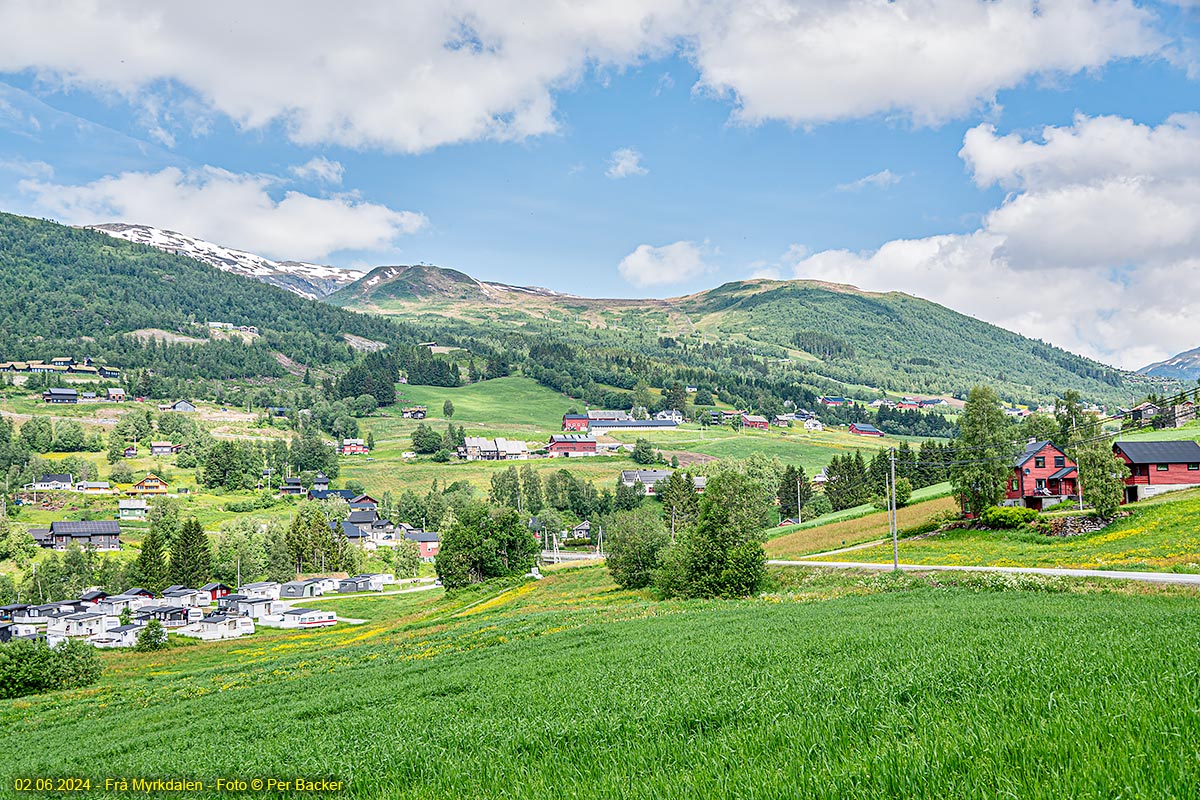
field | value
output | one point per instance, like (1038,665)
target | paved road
(1147,577)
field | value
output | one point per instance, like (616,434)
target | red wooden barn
(575,422)
(572,444)
(755,421)
(863,429)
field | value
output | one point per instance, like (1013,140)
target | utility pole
(892,515)
(798,500)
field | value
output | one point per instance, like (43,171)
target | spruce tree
(191,555)
(150,569)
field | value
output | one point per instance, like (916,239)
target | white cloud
(408,76)
(877,180)
(1096,249)
(660,266)
(625,162)
(231,209)
(319,169)
(784,265)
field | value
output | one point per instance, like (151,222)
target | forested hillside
(77,292)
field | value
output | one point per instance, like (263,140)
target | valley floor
(832,685)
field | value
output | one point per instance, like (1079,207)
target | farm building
(601,426)
(863,429)
(575,422)
(116,395)
(60,396)
(572,445)
(755,421)
(164,448)
(648,478)
(1157,467)
(181,406)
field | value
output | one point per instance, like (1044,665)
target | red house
(863,429)
(1157,467)
(575,422)
(572,445)
(755,421)
(215,590)
(353,447)
(1042,476)
(428,543)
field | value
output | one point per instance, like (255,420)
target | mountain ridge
(313,281)
(1181,366)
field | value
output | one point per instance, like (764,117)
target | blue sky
(784,138)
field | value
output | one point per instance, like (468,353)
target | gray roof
(1032,449)
(106,527)
(422,536)
(1180,452)
(634,423)
(1062,473)
(56,478)
(361,516)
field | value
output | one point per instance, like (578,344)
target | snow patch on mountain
(313,281)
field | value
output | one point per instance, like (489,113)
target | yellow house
(151,484)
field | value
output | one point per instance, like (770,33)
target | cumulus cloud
(236,210)
(319,169)
(408,76)
(1095,249)
(876,180)
(624,163)
(669,264)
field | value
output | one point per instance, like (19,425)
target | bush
(152,637)
(636,542)
(30,667)
(1007,517)
(579,541)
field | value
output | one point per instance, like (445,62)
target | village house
(320,483)
(1158,467)
(120,636)
(93,487)
(414,412)
(363,501)
(131,451)
(115,395)
(428,542)
(833,401)
(138,591)
(88,397)
(575,422)
(755,421)
(268,590)
(1042,476)
(215,591)
(291,486)
(93,596)
(571,445)
(181,406)
(114,605)
(132,509)
(217,627)
(189,598)
(164,448)
(303,588)
(58,482)
(670,415)
(100,535)
(60,396)
(170,616)
(353,447)
(325,494)
(863,429)
(151,484)
(476,448)
(78,626)
(813,425)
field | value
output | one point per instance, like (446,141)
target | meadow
(819,537)
(835,685)
(1162,534)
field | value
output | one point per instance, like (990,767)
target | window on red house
(1038,462)
(1060,461)
(1162,467)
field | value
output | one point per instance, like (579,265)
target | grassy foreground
(834,686)
(1162,534)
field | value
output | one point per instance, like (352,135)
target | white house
(120,636)
(219,626)
(256,607)
(189,598)
(267,589)
(113,606)
(88,623)
(813,425)
(53,483)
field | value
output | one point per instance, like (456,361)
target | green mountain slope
(825,335)
(75,292)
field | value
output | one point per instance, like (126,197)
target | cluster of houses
(364,526)
(212,612)
(64,482)
(63,396)
(1043,475)
(229,326)
(903,404)
(64,364)
(476,448)
(414,412)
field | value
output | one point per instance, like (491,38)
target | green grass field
(1159,535)
(834,686)
(798,540)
